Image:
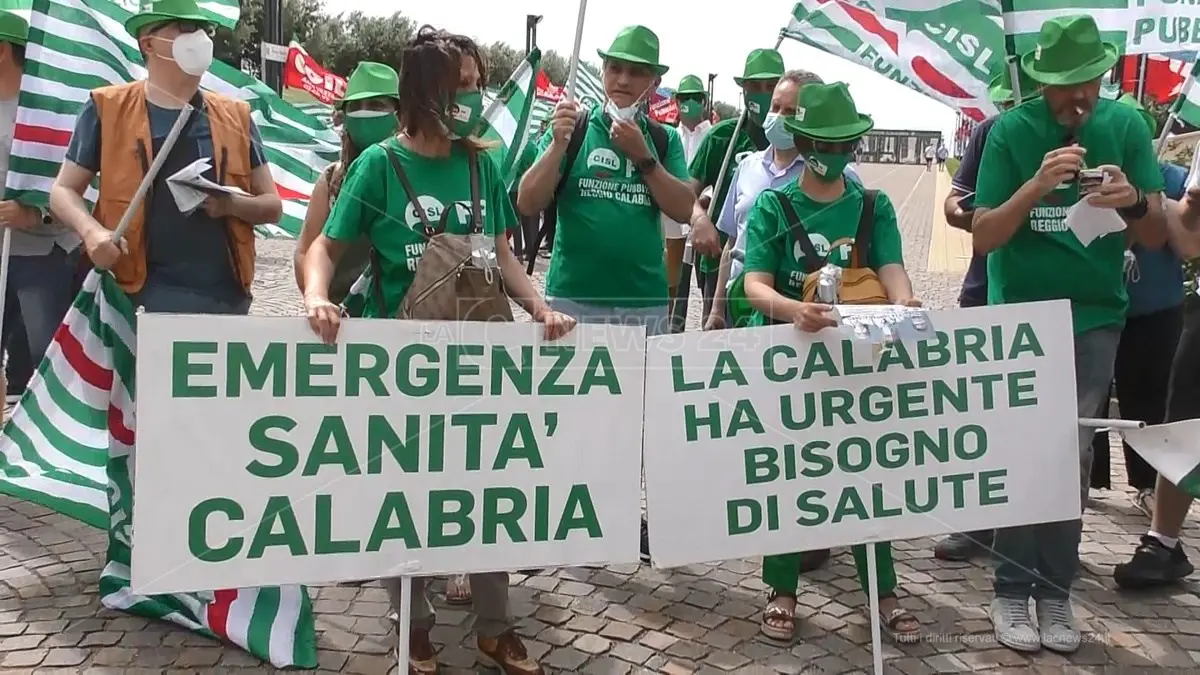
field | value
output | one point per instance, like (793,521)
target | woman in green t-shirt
(368,111)
(441,81)
(827,129)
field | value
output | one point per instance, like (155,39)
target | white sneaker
(1014,626)
(1056,622)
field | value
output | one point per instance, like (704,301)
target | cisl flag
(303,72)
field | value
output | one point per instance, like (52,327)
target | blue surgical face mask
(777,134)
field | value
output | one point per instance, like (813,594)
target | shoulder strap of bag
(658,136)
(413,202)
(573,148)
(812,261)
(757,136)
(476,206)
(861,257)
(377,282)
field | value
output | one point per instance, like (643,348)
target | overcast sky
(692,43)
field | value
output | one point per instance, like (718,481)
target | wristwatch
(1137,210)
(646,166)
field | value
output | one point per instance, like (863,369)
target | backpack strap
(476,226)
(861,256)
(812,261)
(757,135)
(658,137)
(549,219)
(414,203)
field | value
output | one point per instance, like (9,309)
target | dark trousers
(1183,398)
(1142,373)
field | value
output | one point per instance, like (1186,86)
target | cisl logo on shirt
(433,209)
(605,159)
(821,246)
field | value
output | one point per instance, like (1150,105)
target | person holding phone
(959,209)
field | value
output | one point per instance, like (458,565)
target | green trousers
(782,572)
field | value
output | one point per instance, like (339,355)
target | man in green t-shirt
(1028,179)
(763,69)
(608,264)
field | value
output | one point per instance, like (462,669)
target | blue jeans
(1043,559)
(157,298)
(657,320)
(39,295)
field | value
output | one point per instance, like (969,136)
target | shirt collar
(768,160)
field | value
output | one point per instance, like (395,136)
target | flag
(78,45)
(1187,104)
(1173,450)
(507,123)
(948,50)
(69,446)
(1135,27)
(507,113)
(1163,76)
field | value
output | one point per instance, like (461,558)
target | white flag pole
(574,76)
(405,624)
(873,602)
(138,197)
(5,254)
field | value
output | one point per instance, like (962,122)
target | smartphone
(1089,180)
(967,202)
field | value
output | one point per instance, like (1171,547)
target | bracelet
(1137,210)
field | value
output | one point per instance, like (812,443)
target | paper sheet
(190,188)
(1089,223)
(882,324)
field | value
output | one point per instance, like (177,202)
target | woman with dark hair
(368,114)
(428,166)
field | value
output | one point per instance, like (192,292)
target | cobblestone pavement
(620,619)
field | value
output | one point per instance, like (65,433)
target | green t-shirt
(1044,260)
(372,200)
(771,248)
(706,166)
(608,244)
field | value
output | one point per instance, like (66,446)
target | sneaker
(1056,624)
(1144,501)
(1153,564)
(645,542)
(962,546)
(1013,625)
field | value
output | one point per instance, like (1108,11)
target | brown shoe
(422,660)
(507,654)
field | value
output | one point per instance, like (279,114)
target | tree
(556,67)
(241,47)
(502,60)
(340,43)
(724,110)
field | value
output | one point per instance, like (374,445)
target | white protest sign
(787,443)
(264,457)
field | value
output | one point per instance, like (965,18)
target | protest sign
(264,457)
(787,443)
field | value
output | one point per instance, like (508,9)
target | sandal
(458,590)
(891,623)
(778,621)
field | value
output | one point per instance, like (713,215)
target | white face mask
(626,114)
(193,52)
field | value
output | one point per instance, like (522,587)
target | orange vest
(124,132)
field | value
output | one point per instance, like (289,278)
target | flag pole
(135,204)
(573,78)
(679,303)
(1173,115)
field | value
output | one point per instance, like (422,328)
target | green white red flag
(69,446)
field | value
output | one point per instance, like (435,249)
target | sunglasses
(187,27)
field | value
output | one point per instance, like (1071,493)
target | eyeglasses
(187,27)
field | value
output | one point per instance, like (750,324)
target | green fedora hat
(162,11)
(371,80)
(635,44)
(1069,51)
(762,64)
(1132,102)
(1000,89)
(690,84)
(826,112)
(13,28)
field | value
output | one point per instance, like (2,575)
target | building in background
(896,146)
